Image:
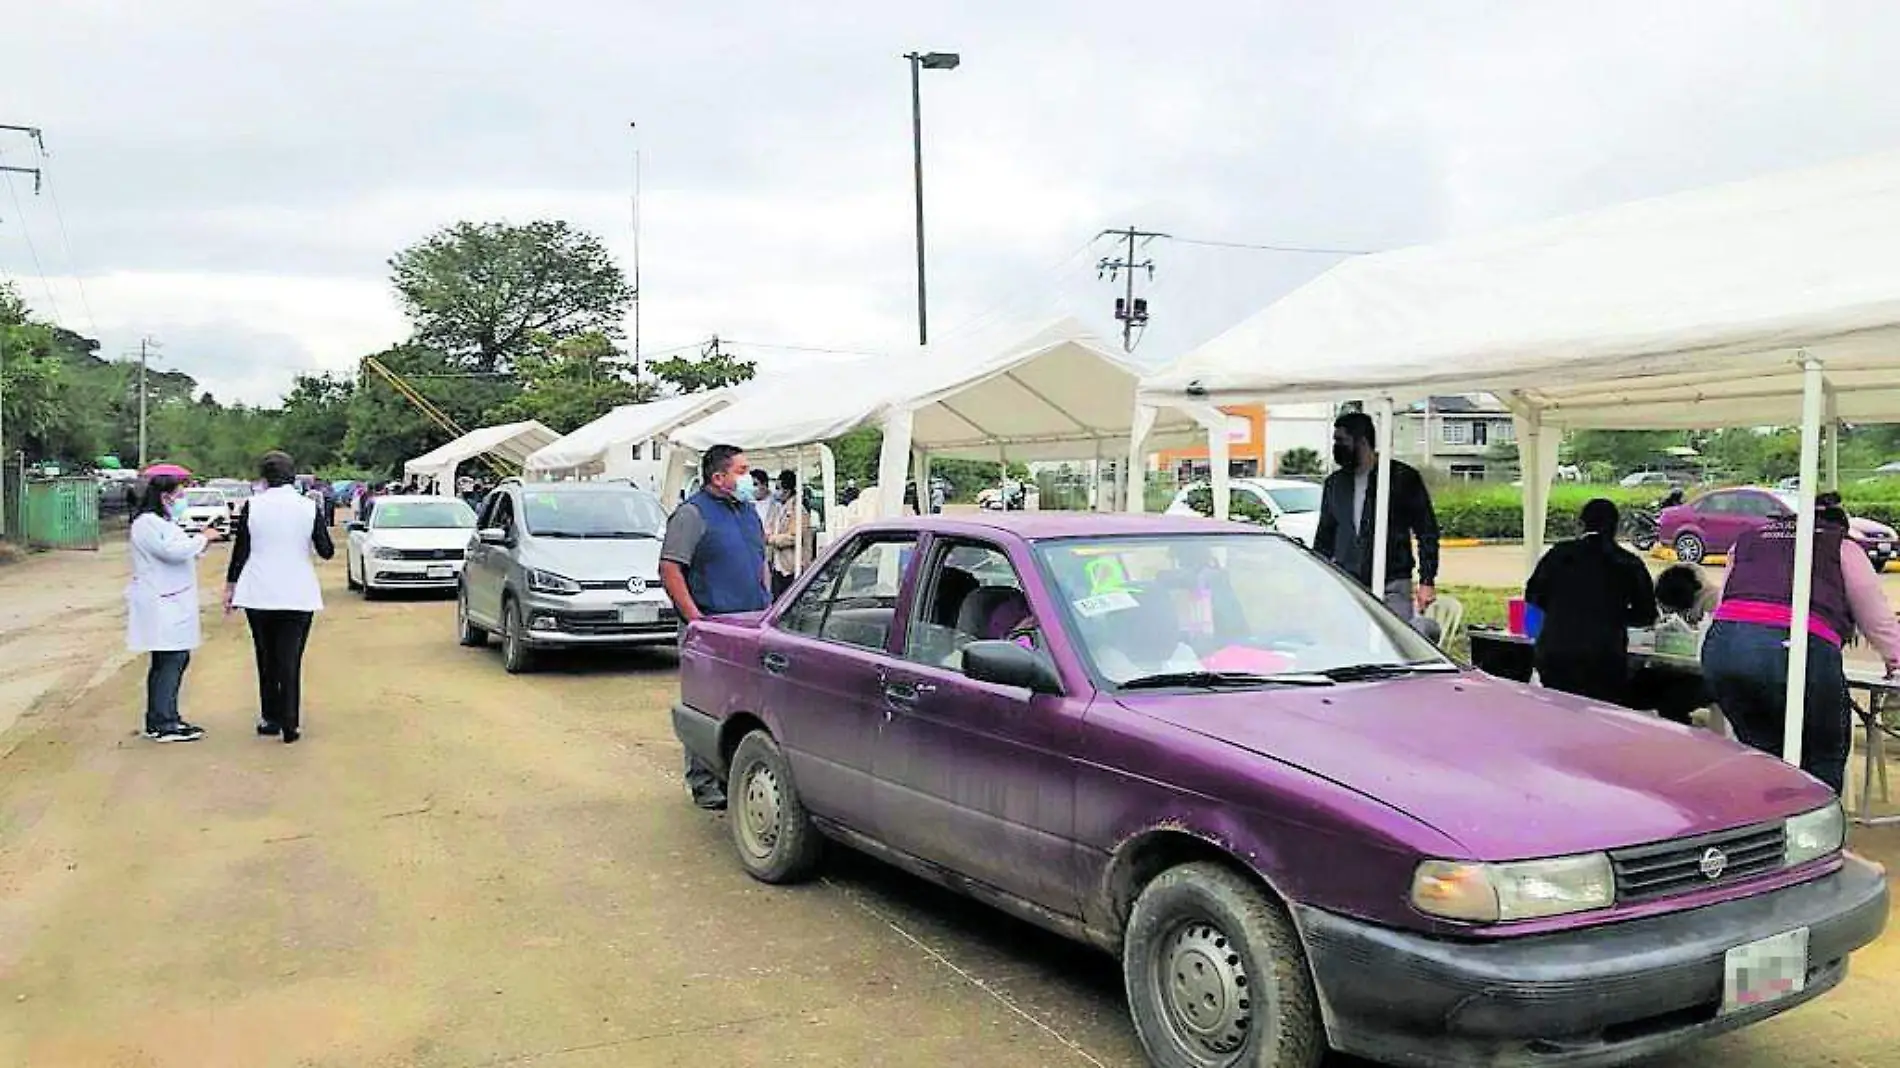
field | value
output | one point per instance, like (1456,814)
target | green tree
(1301,463)
(1624,450)
(487,294)
(578,381)
(709,370)
(316,419)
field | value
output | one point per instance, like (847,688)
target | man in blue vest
(713,563)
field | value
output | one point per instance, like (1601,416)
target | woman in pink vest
(1745,657)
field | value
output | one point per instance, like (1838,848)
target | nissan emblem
(1714,863)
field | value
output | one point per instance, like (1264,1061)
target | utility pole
(144,344)
(34,133)
(636,248)
(1130,309)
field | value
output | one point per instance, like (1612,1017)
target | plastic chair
(1449,614)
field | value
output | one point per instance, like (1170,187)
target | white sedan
(1294,504)
(205,513)
(409,543)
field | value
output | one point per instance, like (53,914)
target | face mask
(1345,455)
(176,509)
(743,490)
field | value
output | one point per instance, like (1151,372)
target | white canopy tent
(1774,300)
(1047,393)
(624,443)
(511,443)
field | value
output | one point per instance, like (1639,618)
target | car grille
(611,584)
(1682,865)
(430,554)
(609,623)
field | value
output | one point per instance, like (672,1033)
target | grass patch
(1485,606)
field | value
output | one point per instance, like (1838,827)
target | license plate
(1765,971)
(441,571)
(639,613)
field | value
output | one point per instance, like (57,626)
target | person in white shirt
(161,603)
(762,500)
(272,579)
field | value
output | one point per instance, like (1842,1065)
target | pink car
(1709,525)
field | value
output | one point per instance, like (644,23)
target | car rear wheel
(466,631)
(516,657)
(1690,548)
(1216,976)
(771,830)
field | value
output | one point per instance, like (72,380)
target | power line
(802,348)
(66,246)
(1306,250)
(32,250)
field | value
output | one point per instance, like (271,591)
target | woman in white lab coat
(161,604)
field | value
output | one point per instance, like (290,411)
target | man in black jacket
(1347,519)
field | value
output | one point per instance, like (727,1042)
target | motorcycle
(1641,529)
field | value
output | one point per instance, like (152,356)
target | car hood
(1868,530)
(596,559)
(422,538)
(1508,771)
(205,511)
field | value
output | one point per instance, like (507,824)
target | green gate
(61,513)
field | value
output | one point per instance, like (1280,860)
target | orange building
(1246,448)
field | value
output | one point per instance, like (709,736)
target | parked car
(1296,823)
(558,564)
(1659,479)
(1293,503)
(408,543)
(237,493)
(1709,524)
(206,512)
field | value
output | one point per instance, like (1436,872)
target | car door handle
(776,663)
(907,693)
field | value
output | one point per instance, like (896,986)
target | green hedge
(1496,512)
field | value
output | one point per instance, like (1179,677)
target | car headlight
(384,552)
(549,582)
(1523,890)
(1817,834)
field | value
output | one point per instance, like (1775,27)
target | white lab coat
(279,574)
(161,601)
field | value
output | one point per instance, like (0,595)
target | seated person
(1682,592)
(992,613)
(1143,638)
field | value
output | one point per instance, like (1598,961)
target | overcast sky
(234,177)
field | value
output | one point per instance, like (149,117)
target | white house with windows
(1457,434)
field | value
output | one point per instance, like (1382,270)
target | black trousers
(1598,674)
(780,583)
(278,639)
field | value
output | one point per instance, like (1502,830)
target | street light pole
(920,61)
(143,342)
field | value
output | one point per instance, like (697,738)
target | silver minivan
(563,564)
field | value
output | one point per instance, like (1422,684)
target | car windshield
(398,514)
(1192,607)
(1295,500)
(234,489)
(592,514)
(203,498)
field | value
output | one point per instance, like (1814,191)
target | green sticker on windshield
(1105,575)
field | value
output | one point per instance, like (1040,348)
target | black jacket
(1412,517)
(1591,592)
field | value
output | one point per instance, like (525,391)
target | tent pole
(1382,502)
(1796,714)
(1217,468)
(1833,429)
(1136,477)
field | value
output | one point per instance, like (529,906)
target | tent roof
(510,441)
(623,426)
(1053,392)
(1680,311)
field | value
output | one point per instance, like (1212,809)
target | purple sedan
(1296,824)
(1709,525)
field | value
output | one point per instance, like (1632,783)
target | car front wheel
(516,657)
(772,831)
(1216,976)
(349,574)
(1690,548)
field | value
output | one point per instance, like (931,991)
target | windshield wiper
(1363,672)
(1216,680)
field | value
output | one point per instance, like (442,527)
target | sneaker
(177,733)
(268,730)
(192,727)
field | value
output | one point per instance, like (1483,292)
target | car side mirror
(492,536)
(356,525)
(1005,663)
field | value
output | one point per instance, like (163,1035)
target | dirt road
(458,868)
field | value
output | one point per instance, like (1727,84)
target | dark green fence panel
(61,513)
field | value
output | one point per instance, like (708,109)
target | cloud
(235,177)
